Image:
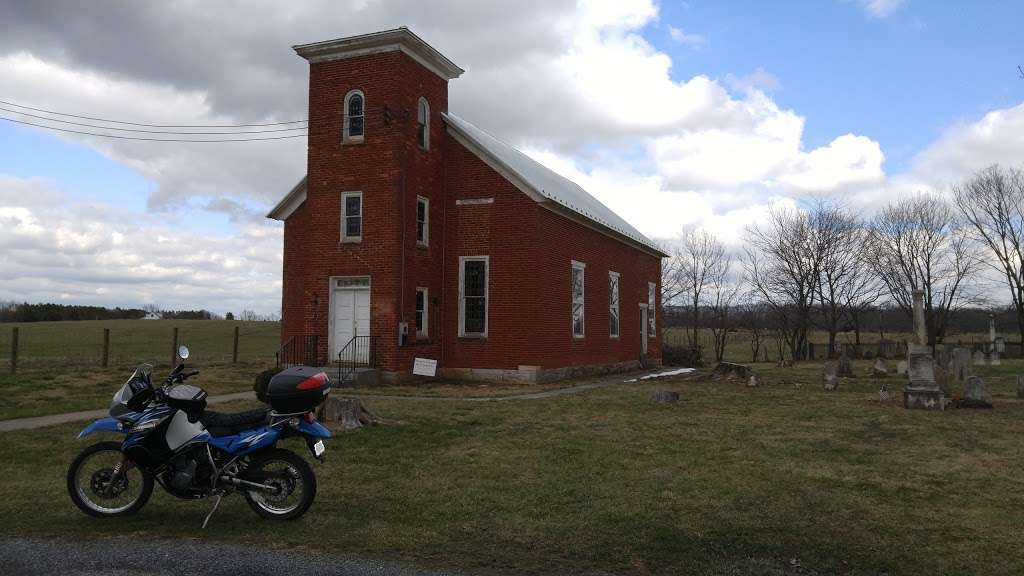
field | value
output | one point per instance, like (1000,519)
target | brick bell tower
(363,253)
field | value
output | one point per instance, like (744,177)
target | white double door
(350,318)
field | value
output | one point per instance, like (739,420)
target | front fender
(102,425)
(313,429)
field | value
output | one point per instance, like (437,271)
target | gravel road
(144,557)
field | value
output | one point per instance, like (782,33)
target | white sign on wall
(424,367)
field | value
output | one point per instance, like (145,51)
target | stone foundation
(536,374)
(524,374)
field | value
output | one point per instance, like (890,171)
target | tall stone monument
(923,392)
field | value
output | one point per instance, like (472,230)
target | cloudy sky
(697,113)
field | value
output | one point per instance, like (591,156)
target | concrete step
(361,377)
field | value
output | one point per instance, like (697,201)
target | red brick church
(415,234)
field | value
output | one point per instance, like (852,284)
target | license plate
(318,448)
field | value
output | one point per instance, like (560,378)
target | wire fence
(133,342)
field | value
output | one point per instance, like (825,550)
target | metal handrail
(359,352)
(300,350)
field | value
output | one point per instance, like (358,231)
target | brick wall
(387,167)
(530,248)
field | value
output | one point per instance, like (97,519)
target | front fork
(120,469)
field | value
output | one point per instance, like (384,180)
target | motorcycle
(172,440)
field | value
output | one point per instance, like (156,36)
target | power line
(150,139)
(73,123)
(151,125)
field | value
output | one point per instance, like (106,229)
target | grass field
(731,480)
(59,362)
(48,344)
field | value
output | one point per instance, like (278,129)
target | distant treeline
(873,320)
(25,312)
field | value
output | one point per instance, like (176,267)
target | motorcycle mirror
(183,352)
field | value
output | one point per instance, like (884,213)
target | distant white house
(152,316)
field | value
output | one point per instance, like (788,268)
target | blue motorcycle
(171,439)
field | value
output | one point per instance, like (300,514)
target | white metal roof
(545,182)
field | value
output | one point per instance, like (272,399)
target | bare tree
(863,291)
(918,243)
(838,237)
(701,262)
(752,316)
(992,204)
(722,293)
(782,265)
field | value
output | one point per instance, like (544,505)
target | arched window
(355,114)
(423,124)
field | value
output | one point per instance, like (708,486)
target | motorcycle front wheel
(94,488)
(292,481)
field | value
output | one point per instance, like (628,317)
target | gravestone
(922,392)
(665,397)
(942,355)
(979,358)
(731,371)
(754,381)
(944,379)
(974,394)
(880,369)
(961,364)
(901,368)
(830,375)
(993,358)
(844,367)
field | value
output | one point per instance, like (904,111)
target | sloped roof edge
(545,185)
(290,203)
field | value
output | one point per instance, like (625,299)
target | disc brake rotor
(283,485)
(100,484)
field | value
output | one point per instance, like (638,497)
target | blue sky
(901,79)
(861,100)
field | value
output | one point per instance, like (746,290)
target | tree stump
(665,397)
(345,414)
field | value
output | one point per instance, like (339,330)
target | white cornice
(399,39)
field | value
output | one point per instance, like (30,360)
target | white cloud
(687,38)
(575,83)
(56,248)
(759,79)
(968,146)
(880,8)
(259,170)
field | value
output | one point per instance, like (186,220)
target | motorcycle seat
(219,424)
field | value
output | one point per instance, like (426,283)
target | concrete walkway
(604,382)
(54,419)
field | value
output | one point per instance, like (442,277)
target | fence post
(234,349)
(174,349)
(14,350)
(106,347)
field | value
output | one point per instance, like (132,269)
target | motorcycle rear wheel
(295,481)
(89,483)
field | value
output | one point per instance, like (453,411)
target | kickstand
(216,503)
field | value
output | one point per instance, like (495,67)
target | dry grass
(729,481)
